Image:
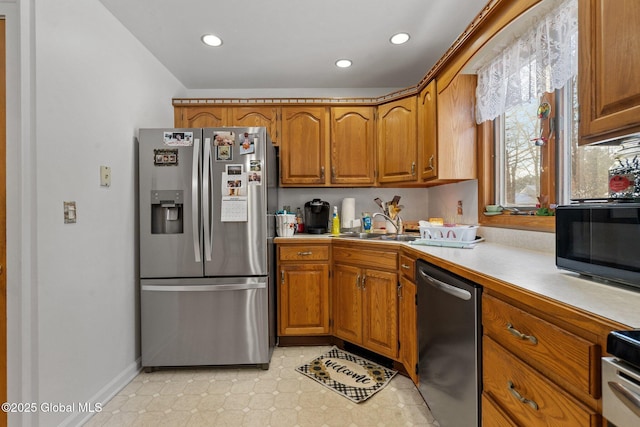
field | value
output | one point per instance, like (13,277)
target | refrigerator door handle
(206,179)
(205,288)
(195,172)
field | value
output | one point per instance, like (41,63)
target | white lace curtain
(541,60)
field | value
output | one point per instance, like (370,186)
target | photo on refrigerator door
(178,138)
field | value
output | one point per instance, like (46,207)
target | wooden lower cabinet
(528,397)
(303,290)
(408,316)
(535,371)
(365,299)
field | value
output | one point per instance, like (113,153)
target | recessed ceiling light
(211,40)
(343,63)
(399,38)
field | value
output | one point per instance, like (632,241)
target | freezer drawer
(188,322)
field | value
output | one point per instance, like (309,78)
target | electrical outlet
(70,212)
(105,176)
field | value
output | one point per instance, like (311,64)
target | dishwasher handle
(445,287)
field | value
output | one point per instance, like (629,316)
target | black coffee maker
(316,216)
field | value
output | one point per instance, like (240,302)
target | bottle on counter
(366,222)
(335,222)
(299,220)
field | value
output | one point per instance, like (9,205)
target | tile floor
(247,396)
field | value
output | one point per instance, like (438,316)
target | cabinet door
(303,153)
(304,299)
(397,141)
(609,68)
(408,327)
(428,131)
(352,145)
(257,116)
(380,312)
(347,303)
(201,117)
(457,129)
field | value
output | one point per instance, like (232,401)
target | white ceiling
(295,43)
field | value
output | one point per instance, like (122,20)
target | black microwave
(601,240)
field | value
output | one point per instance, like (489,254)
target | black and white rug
(355,378)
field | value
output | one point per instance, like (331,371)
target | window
(523,143)
(526,145)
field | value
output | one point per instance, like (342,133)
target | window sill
(520,222)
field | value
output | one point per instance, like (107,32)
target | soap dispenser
(335,222)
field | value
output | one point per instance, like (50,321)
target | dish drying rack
(454,233)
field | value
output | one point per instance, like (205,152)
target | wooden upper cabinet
(201,117)
(428,131)
(303,145)
(608,69)
(352,146)
(397,141)
(457,135)
(258,116)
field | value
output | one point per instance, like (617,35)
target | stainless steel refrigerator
(207,199)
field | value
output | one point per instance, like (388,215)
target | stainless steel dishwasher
(449,340)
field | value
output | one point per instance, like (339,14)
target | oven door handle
(626,396)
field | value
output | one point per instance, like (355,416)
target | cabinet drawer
(366,258)
(304,253)
(408,267)
(492,415)
(526,396)
(543,345)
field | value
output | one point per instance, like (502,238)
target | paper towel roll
(348,213)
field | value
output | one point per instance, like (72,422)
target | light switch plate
(69,212)
(105,176)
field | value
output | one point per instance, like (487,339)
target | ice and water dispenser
(166,212)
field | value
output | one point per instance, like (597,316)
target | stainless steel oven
(621,379)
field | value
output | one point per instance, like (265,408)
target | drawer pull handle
(518,396)
(305,253)
(405,266)
(520,335)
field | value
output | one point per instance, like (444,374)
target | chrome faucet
(397,223)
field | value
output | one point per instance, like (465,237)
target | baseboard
(105,394)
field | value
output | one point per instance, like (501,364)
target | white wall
(414,200)
(93,86)
(443,202)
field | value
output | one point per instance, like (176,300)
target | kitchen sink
(399,237)
(379,236)
(355,235)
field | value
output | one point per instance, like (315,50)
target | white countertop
(537,272)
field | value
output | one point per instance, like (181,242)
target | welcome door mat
(353,377)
